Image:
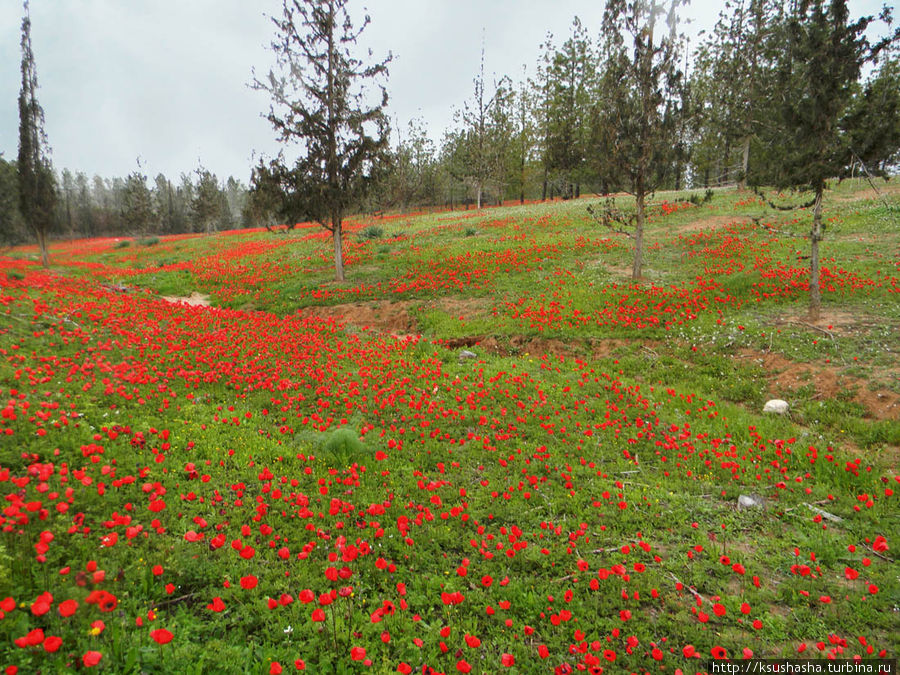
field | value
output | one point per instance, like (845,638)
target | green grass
(582,439)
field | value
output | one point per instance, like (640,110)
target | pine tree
(819,70)
(37,184)
(319,101)
(731,86)
(872,120)
(207,203)
(137,210)
(567,76)
(479,145)
(10,218)
(636,132)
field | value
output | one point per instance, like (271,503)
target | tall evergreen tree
(822,57)
(567,77)
(525,134)
(639,103)
(319,100)
(85,213)
(207,204)
(164,204)
(732,85)
(10,218)
(137,206)
(477,147)
(37,185)
(872,120)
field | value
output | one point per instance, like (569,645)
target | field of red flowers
(255,486)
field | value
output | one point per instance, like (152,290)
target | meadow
(488,451)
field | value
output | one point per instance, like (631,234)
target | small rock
(750,502)
(466,354)
(777,406)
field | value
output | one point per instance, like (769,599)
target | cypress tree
(37,184)
(823,54)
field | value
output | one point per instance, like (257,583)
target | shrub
(371,232)
(342,447)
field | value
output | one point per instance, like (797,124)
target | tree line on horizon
(712,116)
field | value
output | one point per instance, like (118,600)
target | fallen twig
(809,325)
(690,589)
(825,514)
(883,557)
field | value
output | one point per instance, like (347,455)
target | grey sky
(166,80)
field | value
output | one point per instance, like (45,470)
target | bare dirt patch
(711,223)
(395,317)
(385,317)
(513,345)
(830,322)
(195,299)
(884,188)
(828,382)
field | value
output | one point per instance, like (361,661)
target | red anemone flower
(161,636)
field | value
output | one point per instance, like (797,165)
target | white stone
(777,406)
(750,502)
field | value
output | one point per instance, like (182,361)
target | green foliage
(567,84)
(137,208)
(342,447)
(318,102)
(476,151)
(817,73)
(872,119)
(208,204)
(37,183)
(371,232)
(730,90)
(638,109)
(12,229)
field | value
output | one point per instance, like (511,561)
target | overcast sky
(166,80)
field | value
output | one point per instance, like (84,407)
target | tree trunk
(478,196)
(522,180)
(544,189)
(745,163)
(338,248)
(42,245)
(723,179)
(816,235)
(638,236)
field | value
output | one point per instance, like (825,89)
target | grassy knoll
(313,475)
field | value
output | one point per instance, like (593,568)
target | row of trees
(720,109)
(773,96)
(130,206)
(777,82)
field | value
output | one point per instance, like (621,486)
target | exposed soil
(831,322)
(788,376)
(709,223)
(867,192)
(195,299)
(397,317)
(386,317)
